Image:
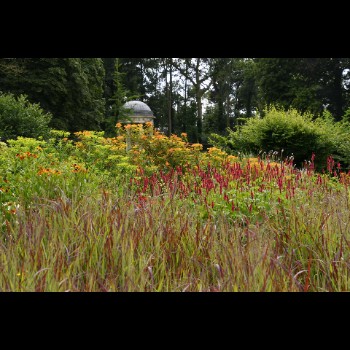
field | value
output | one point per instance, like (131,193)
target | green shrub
(19,117)
(339,133)
(290,133)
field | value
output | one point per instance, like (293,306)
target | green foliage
(307,84)
(339,133)
(93,104)
(19,117)
(85,94)
(88,219)
(290,133)
(346,116)
(71,89)
(287,82)
(117,99)
(223,142)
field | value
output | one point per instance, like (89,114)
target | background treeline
(199,96)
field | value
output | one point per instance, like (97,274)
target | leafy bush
(338,135)
(290,133)
(19,117)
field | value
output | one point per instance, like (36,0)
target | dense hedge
(19,117)
(290,133)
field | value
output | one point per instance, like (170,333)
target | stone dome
(138,112)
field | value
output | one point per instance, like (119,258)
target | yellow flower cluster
(253,160)
(197,146)
(232,159)
(216,151)
(79,145)
(134,127)
(274,164)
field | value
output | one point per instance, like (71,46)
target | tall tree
(133,75)
(93,105)
(274,77)
(170,96)
(334,85)
(109,86)
(70,88)
(221,88)
(197,71)
(247,93)
(308,84)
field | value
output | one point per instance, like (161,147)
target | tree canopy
(198,96)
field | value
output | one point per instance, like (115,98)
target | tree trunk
(142,88)
(184,118)
(199,116)
(249,101)
(170,91)
(199,95)
(338,90)
(229,122)
(166,107)
(221,113)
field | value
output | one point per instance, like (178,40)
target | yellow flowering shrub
(149,147)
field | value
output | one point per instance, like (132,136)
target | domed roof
(138,108)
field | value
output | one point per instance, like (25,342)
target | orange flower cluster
(11,208)
(344,178)
(197,146)
(24,155)
(3,189)
(78,169)
(48,171)
(85,133)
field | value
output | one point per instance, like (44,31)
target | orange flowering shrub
(150,148)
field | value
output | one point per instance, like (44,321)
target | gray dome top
(138,108)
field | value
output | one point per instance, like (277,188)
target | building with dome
(136,112)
